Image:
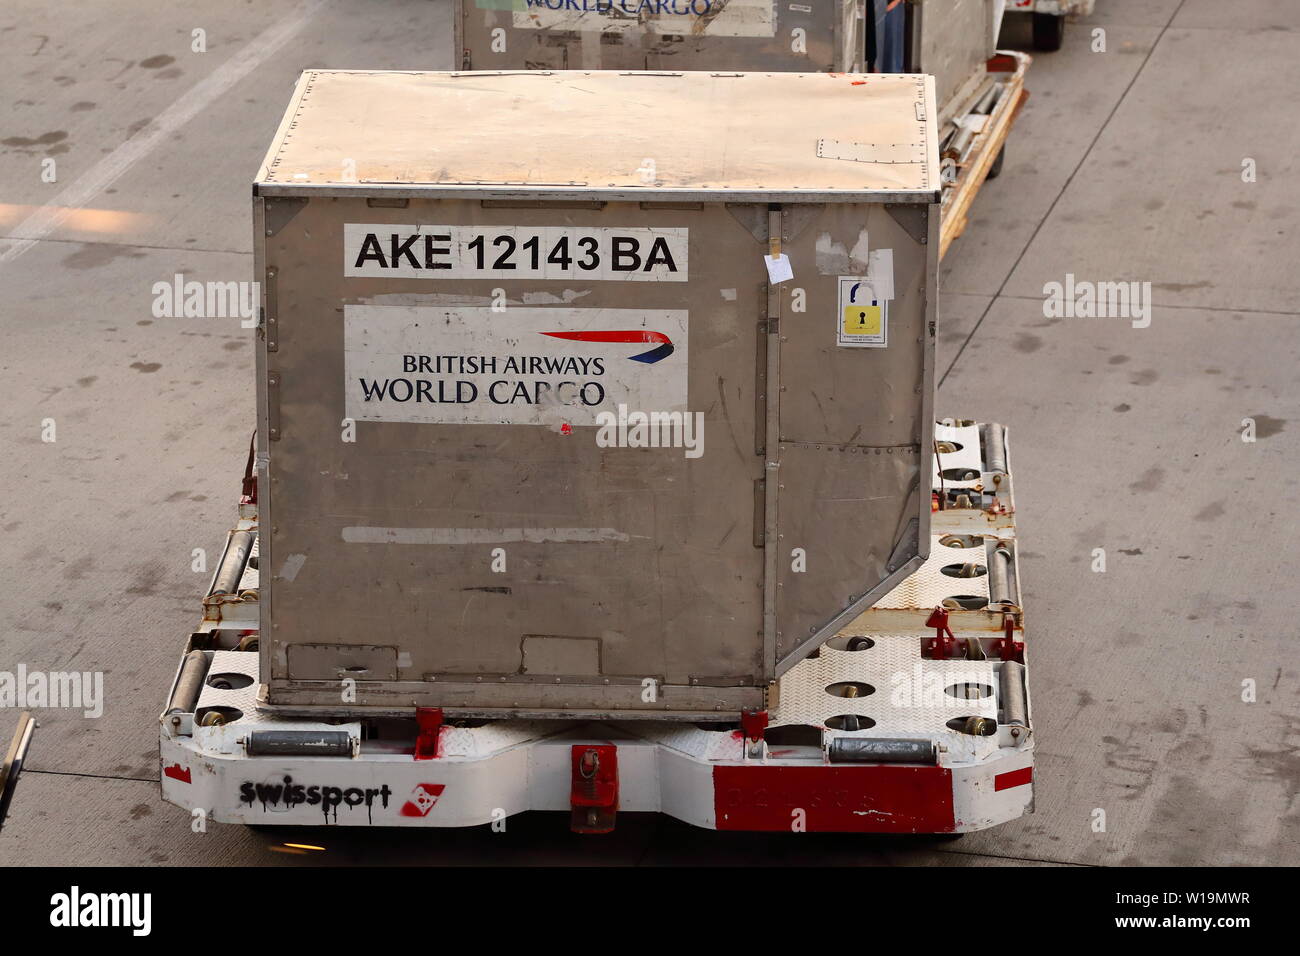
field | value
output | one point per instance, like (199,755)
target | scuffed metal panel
(672,593)
(855,444)
(587,136)
(955,42)
(676,35)
(952,39)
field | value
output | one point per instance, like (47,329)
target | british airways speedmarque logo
(665,345)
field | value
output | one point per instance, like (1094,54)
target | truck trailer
(596,469)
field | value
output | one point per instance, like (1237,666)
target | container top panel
(774,137)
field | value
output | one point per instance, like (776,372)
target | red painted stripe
(872,799)
(1013,778)
(177,772)
(634,335)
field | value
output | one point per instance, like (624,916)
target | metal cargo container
(949,39)
(671,35)
(952,40)
(474,286)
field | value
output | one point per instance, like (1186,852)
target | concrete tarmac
(1126,164)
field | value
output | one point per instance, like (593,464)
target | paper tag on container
(880,270)
(778,268)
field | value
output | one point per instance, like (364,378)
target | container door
(856,364)
(514,465)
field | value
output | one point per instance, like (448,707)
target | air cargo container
(979,91)
(594,427)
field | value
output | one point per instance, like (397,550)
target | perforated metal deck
(904,696)
(900,691)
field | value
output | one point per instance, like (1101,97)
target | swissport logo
(662,351)
(423,797)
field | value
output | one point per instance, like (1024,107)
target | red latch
(429,721)
(1007,647)
(594,791)
(943,645)
(1002,63)
(753,723)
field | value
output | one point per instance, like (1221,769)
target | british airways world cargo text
(534,391)
(517,366)
(734,18)
(515,252)
(632,8)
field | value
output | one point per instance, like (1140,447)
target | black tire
(996,169)
(1049,31)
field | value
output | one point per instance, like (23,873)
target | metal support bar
(882,750)
(299,743)
(772,452)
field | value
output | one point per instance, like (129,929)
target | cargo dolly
(466,594)
(915,718)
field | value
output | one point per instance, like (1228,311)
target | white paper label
(634,254)
(880,270)
(518,366)
(778,269)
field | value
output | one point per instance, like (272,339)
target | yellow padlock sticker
(863,320)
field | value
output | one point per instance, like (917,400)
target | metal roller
(960,143)
(989,100)
(188,686)
(882,750)
(232,562)
(1001,580)
(1011,679)
(995,450)
(299,743)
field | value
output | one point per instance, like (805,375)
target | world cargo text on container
(634,253)
(718,17)
(523,366)
(631,8)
